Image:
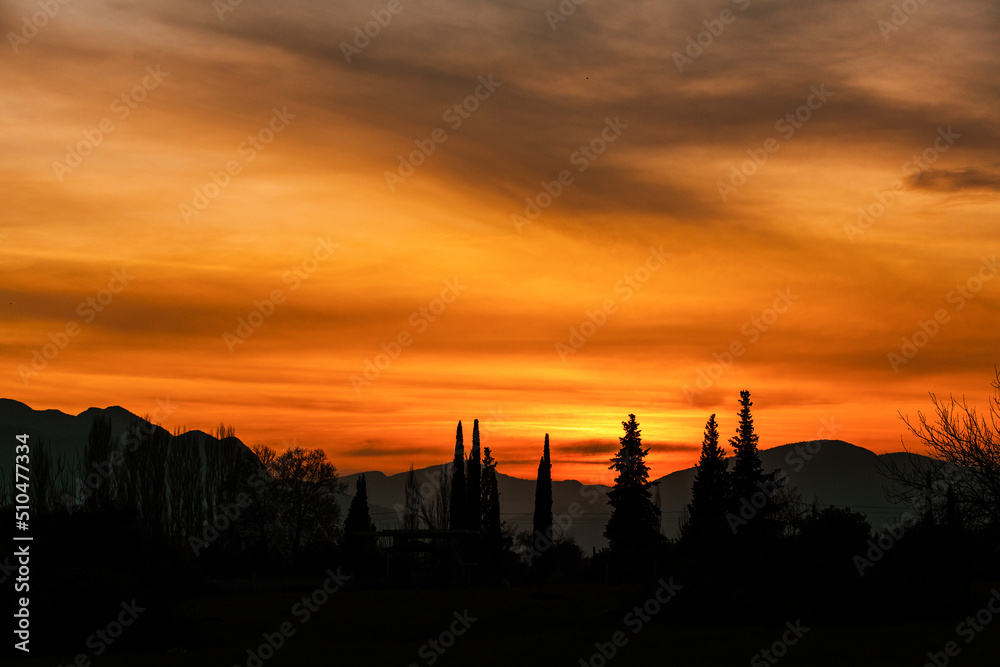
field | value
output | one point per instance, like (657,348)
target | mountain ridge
(831,472)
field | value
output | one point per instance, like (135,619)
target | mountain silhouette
(829,472)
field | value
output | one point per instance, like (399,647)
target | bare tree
(411,515)
(50,478)
(307,488)
(436,512)
(963,449)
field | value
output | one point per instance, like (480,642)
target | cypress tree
(458,513)
(492,525)
(359,548)
(542,520)
(474,483)
(634,521)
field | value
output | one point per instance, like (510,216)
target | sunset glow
(486,212)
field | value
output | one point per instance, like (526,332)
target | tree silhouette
(259,489)
(952,511)
(411,491)
(96,455)
(307,485)
(458,512)
(436,513)
(963,447)
(542,520)
(359,540)
(710,491)
(493,538)
(634,523)
(474,483)
(747,472)
(928,515)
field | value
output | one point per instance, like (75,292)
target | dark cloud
(609,447)
(382,448)
(956,180)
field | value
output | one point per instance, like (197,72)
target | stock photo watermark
(900,15)
(122,107)
(88,310)
(779,649)
(293,277)
(248,150)
(420,319)
(912,168)
(363,35)
(927,329)
(302,611)
(31,25)
(713,28)
(635,621)
(786,127)
(432,650)
(581,158)
(968,629)
(752,329)
(454,115)
(626,287)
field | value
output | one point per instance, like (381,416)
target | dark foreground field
(550,625)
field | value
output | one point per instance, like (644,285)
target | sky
(351,225)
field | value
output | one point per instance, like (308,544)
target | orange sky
(160,99)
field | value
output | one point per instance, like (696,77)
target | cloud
(956,180)
(609,447)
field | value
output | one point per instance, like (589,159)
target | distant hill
(835,473)
(832,472)
(65,437)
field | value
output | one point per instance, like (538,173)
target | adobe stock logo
(626,287)
(421,319)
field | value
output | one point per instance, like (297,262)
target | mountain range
(828,472)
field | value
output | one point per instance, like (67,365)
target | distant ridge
(831,472)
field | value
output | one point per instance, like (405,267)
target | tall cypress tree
(492,525)
(458,513)
(747,471)
(634,522)
(542,521)
(710,490)
(359,547)
(474,483)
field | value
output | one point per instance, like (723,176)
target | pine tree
(747,472)
(634,519)
(542,520)
(710,490)
(474,483)
(458,513)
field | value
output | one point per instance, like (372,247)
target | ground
(550,625)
